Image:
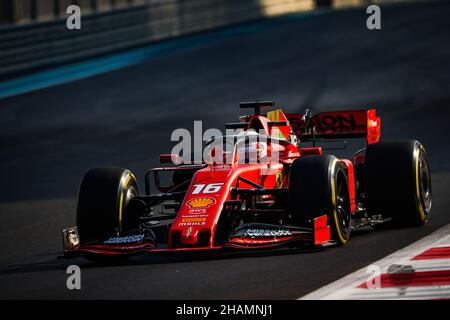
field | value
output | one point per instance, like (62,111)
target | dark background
(50,137)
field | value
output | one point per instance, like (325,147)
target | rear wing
(336,125)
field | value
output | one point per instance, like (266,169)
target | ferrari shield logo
(279,179)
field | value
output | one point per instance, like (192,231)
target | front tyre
(398,182)
(318,185)
(103,201)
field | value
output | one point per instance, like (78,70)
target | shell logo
(203,202)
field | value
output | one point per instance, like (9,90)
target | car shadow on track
(60,263)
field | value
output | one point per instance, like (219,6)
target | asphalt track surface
(50,137)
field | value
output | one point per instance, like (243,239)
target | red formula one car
(260,188)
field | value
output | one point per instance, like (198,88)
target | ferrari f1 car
(268,185)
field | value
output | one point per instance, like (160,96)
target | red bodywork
(204,218)
(194,226)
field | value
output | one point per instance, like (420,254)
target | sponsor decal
(336,120)
(126,239)
(189,230)
(194,216)
(257,233)
(197,211)
(185,224)
(201,202)
(193,220)
(199,220)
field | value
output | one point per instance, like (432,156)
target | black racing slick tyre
(318,185)
(398,182)
(103,199)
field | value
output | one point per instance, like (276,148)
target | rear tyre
(398,182)
(318,185)
(103,199)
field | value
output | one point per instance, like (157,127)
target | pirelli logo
(190,220)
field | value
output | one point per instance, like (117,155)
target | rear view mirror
(169,158)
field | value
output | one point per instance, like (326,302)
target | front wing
(246,237)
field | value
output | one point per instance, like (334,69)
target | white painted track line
(436,273)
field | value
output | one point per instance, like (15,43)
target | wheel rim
(342,207)
(131,192)
(127,220)
(424,183)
